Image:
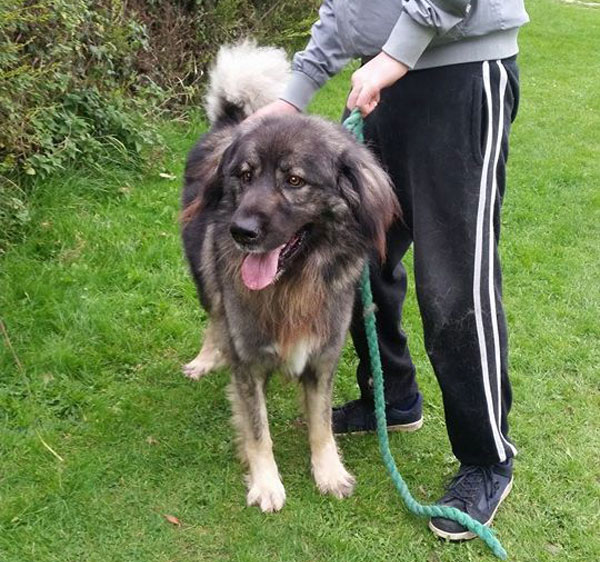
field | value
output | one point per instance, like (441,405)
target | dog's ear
(204,176)
(368,191)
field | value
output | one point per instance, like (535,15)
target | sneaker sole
(468,535)
(405,427)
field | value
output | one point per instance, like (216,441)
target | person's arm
(418,23)
(323,57)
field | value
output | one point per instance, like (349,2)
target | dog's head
(287,184)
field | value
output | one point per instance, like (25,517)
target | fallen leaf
(172,519)
(151,440)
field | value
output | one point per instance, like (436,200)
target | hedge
(84,81)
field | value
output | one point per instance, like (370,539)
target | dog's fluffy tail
(244,78)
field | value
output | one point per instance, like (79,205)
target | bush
(83,81)
(184,36)
(66,72)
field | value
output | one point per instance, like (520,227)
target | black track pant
(442,134)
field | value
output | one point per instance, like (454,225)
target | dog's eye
(246,176)
(295,181)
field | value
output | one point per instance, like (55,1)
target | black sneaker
(358,416)
(478,491)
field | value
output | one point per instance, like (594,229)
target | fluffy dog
(279,216)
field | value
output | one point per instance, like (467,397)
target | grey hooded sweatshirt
(418,33)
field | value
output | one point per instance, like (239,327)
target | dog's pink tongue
(259,270)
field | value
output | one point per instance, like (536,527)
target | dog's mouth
(259,270)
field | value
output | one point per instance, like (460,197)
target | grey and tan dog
(279,215)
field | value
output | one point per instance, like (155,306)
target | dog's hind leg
(209,359)
(328,470)
(247,394)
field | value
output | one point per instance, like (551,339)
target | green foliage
(67,78)
(14,214)
(82,82)
(183,37)
(65,70)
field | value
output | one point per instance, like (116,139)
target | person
(439,89)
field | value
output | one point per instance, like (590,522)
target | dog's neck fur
(290,310)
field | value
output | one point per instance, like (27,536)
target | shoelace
(467,483)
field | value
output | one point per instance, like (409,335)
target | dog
(279,216)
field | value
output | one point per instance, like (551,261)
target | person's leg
(388,284)
(458,184)
(451,157)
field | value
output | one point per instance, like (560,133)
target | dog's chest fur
(288,325)
(252,346)
(296,358)
(283,327)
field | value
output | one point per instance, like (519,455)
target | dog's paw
(203,364)
(196,369)
(268,494)
(335,480)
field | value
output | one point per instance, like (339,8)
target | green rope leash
(354,124)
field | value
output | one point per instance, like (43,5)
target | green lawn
(101,436)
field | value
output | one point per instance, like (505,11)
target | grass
(100,435)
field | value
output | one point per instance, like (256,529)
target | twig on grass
(48,447)
(9,345)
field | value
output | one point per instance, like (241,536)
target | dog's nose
(245,230)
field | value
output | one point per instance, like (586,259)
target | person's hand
(368,81)
(277,107)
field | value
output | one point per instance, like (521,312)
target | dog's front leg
(209,359)
(256,448)
(328,470)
